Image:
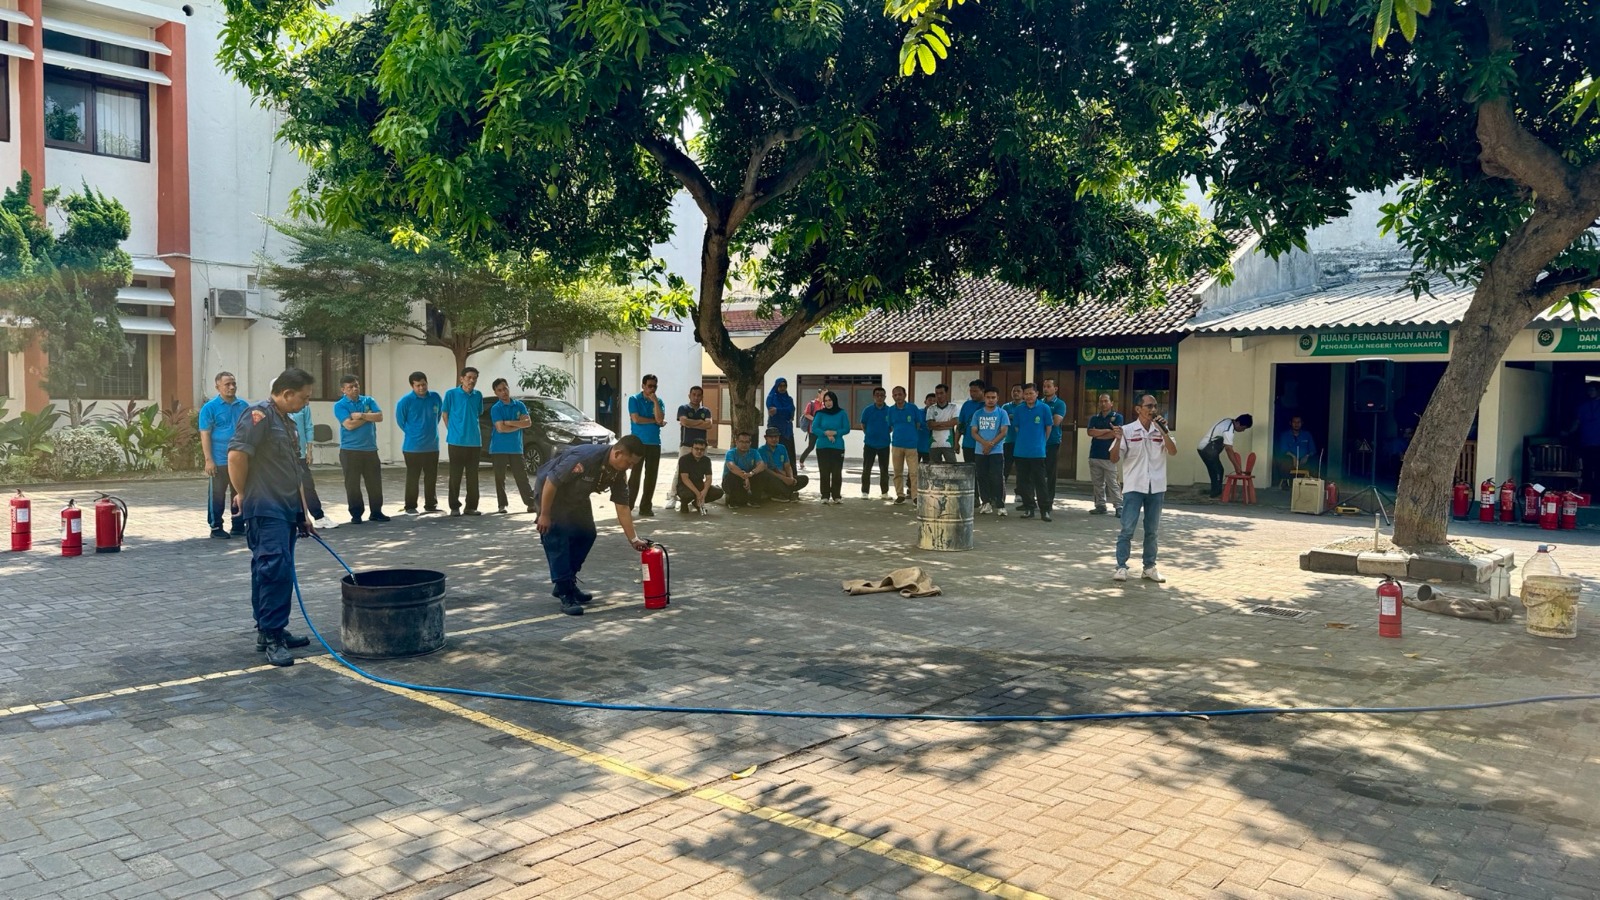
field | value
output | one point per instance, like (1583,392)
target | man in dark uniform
(264,468)
(566,515)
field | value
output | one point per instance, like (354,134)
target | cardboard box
(1307,496)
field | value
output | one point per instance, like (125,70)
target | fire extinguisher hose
(1111,715)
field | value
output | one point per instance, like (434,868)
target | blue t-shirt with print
(418,418)
(1058,407)
(1100,448)
(640,405)
(875,426)
(906,424)
(744,459)
(363,436)
(506,441)
(221,419)
(968,409)
(988,422)
(1033,425)
(463,408)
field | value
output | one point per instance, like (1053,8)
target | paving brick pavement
(306,782)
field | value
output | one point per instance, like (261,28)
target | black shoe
(581,595)
(277,651)
(238,531)
(219,534)
(502,511)
(1097,512)
(289,640)
(571,606)
(1027,514)
(646,513)
(355,520)
(1045,515)
(454,513)
(379,517)
(411,510)
(472,512)
(430,509)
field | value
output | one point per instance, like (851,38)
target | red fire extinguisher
(1530,503)
(1486,500)
(1389,596)
(1460,500)
(1331,501)
(1569,510)
(1508,500)
(110,522)
(21,522)
(657,576)
(1550,510)
(72,530)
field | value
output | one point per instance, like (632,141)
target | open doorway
(608,391)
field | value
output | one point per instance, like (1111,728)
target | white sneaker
(1001,511)
(1150,574)
(325,524)
(984,509)
(1121,574)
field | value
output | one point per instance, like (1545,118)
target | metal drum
(393,613)
(945,500)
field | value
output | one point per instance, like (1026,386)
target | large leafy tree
(340,285)
(1476,111)
(62,290)
(825,177)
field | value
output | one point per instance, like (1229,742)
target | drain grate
(1279,612)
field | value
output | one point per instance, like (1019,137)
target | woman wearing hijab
(780,413)
(805,425)
(830,425)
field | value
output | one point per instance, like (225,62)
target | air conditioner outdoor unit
(232,303)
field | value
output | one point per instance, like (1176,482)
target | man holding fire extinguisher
(566,517)
(264,467)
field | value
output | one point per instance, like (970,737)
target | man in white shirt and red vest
(1142,446)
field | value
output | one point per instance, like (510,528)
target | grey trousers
(1103,473)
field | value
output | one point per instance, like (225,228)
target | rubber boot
(277,653)
(291,641)
(565,592)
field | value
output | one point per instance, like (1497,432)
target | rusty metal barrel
(945,501)
(391,613)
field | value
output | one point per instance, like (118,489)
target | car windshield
(560,410)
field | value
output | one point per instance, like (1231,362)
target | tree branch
(1566,281)
(1510,152)
(783,94)
(680,166)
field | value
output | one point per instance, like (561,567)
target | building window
(5,89)
(327,363)
(129,378)
(854,392)
(96,113)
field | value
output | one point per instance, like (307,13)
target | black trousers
(271,543)
(221,497)
(309,485)
(773,486)
(519,470)
(649,467)
(831,462)
(464,461)
(568,542)
(1033,492)
(738,495)
(686,497)
(942,455)
(1212,457)
(788,444)
(362,466)
(1052,459)
(991,479)
(881,455)
(811,444)
(423,468)
(1011,459)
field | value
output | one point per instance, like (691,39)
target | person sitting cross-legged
(779,481)
(739,470)
(694,487)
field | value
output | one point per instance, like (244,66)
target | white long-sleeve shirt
(1142,451)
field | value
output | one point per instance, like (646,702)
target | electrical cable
(905,717)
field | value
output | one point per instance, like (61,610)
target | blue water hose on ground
(907,717)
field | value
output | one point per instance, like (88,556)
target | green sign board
(1568,340)
(1376,343)
(1122,356)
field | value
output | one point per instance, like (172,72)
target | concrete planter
(1473,573)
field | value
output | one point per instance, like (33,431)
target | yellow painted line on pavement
(978,881)
(61,705)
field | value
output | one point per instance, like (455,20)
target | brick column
(30,134)
(172,228)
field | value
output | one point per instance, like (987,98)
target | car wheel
(533,457)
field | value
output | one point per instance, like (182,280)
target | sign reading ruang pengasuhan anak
(1373,343)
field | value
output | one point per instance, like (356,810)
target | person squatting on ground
(906,426)
(875,445)
(740,467)
(417,414)
(943,423)
(780,413)
(357,415)
(1102,471)
(1142,446)
(218,419)
(830,425)
(264,468)
(563,486)
(646,415)
(693,418)
(508,418)
(1217,441)
(693,484)
(1033,423)
(779,481)
(463,405)
(988,427)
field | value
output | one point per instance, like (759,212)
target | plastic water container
(1543,563)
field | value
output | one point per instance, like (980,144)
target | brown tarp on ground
(1429,600)
(910,582)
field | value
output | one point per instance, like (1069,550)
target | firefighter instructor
(562,487)
(264,468)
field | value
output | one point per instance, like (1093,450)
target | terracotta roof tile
(745,321)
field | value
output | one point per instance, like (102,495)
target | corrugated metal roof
(1365,303)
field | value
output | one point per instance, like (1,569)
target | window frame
(326,387)
(108,388)
(93,83)
(5,90)
(854,392)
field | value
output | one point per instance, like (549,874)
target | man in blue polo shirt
(973,403)
(1010,406)
(417,414)
(906,426)
(358,415)
(463,405)
(508,418)
(875,444)
(1052,447)
(740,468)
(779,480)
(218,419)
(1033,423)
(1102,471)
(646,415)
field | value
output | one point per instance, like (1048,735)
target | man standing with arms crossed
(508,418)
(647,415)
(1102,471)
(218,419)
(357,415)
(1142,446)
(463,405)
(417,414)
(264,468)
(1033,423)
(692,419)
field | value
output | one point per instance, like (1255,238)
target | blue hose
(907,717)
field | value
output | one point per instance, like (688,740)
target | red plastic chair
(1246,480)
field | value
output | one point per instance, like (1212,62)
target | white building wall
(814,356)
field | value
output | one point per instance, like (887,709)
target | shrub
(84,452)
